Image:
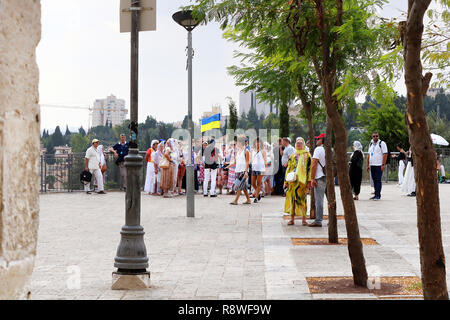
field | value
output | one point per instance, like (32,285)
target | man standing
(318,179)
(211,160)
(376,162)
(120,151)
(92,163)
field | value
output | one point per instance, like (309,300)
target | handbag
(239,182)
(104,168)
(164,163)
(291,176)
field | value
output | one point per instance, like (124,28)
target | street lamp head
(185,19)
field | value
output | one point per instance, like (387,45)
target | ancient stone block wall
(20,33)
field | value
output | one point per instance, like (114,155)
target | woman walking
(298,181)
(242,162)
(259,160)
(356,168)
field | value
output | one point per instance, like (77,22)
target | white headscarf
(357,145)
(102,156)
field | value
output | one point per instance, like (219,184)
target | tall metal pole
(131,255)
(190,166)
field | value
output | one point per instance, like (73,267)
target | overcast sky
(82,57)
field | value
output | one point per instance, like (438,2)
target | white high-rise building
(109,111)
(248,100)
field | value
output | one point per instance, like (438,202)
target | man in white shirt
(376,162)
(318,179)
(92,163)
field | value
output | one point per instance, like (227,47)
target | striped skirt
(231,177)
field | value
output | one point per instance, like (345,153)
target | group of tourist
(234,167)
(255,170)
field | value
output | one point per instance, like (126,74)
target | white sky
(82,57)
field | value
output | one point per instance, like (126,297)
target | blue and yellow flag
(212,122)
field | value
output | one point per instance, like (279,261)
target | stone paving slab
(239,252)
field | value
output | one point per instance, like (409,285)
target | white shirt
(94,158)
(307,148)
(241,162)
(376,153)
(319,153)
(258,161)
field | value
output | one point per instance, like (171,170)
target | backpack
(388,159)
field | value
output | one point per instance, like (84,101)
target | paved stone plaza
(226,252)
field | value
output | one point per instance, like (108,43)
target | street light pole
(185,19)
(190,167)
(131,259)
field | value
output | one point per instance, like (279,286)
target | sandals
(290,223)
(247,202)
(233,204)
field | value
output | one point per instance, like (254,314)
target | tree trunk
(308,110)
(355,248)
(331,194)
(432,259)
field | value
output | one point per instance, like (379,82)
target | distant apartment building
(109,111)
(62,152)
(248,100)
(432,92)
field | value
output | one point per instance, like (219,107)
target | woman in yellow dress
(300,163)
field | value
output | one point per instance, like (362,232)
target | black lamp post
(185,19)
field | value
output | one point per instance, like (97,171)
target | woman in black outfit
(356,167)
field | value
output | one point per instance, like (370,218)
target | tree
(333,36)
(57,137)
(82,131)
(79,143)
(271,122)
(432,258)
(233,114)
(185,124)
(388,122)
(284,121)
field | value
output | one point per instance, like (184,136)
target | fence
(61,173)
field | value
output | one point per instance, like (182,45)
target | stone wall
(20,33)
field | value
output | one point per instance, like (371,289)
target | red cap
(322,136)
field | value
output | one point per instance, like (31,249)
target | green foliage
(79,143)
(436,44)
(57,138)
(389,122)
(272,121)
(233,114)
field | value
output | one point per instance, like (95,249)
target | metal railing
(61,173)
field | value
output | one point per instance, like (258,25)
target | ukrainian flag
(212,122)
